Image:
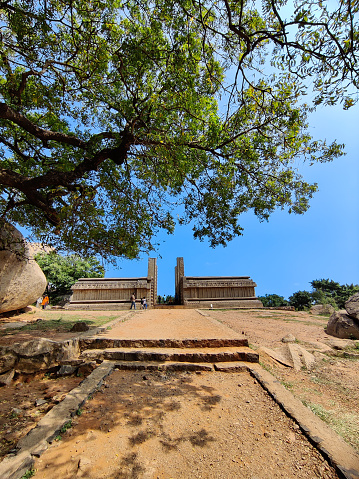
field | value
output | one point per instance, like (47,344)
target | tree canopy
(273,300)
(121,118)
(329,291)
(63,271)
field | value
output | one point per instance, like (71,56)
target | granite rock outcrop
(21,279)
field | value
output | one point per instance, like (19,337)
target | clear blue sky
(285,254)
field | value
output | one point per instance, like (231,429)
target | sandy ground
(212,425)
(209,425)
(330,388)
(19,411)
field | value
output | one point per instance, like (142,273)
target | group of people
(133,302)
(42,301)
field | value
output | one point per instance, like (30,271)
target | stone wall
(215,291)
(114,293)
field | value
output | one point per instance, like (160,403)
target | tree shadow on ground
(142,403)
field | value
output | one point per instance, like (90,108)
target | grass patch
(55,321)
(29,473)
(266,367)
(343,423)
(287,384)
(66,426)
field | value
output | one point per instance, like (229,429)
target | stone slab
(277,355)
(103,343)
(15,466)
(301,357)
(224,304)
(232,367)
(333,447)
(162,366)
(196,355)
(296,359)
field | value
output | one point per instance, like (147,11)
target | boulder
(79,327)
(322,309)
(66,370)
(21,278)
(289,338)
(352,306)
(341,325)
(38,354)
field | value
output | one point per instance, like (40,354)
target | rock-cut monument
(214,291)
(191,291)
(114,293)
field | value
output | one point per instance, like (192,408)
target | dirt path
(171,324)
(212,425)
(208,425)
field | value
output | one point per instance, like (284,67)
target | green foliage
(29,473)
(63,271)
(329,291)
(273,300)
(301,300)
(110,123)
(66,426)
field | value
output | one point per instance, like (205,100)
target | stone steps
(231,366)
(104,343)
(178,355)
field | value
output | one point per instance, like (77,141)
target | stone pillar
(179,274)
(152,274)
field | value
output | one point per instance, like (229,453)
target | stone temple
(114,293)
(190,291)
(214,291)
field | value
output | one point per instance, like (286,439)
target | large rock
(21,278)
(38,354)
(341,325)
(352,306)
(322,309)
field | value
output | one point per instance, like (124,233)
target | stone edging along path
(332,447)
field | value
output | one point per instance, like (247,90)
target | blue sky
(285,254)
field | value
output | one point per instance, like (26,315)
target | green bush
(273,300)
(301,300)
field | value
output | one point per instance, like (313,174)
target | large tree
(116,117)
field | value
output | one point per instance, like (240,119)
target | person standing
(45,301)
(133,301)
(144,303)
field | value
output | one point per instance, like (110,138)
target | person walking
(133,301)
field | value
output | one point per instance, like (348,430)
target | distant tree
(329,291)
(301,300)
(273,300)
(63,271)
(169,299)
